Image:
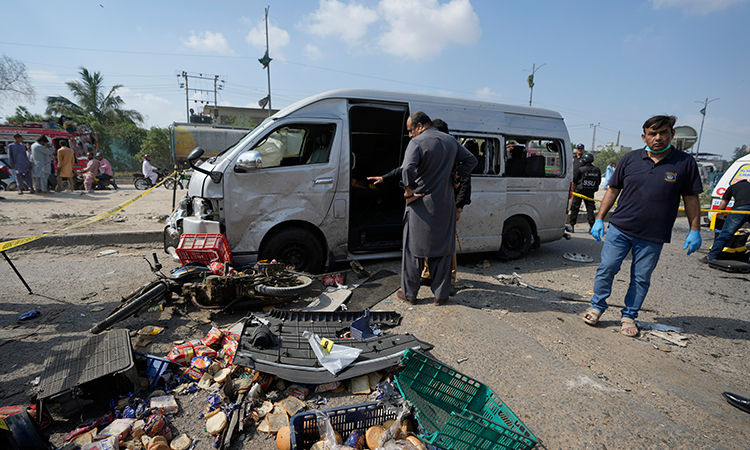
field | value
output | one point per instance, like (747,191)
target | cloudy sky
(611,64)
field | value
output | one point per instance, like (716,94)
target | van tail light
(5,169)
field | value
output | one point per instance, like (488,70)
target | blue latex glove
(598,230)
(693,241)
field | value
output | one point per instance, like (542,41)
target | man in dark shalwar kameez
(430,215)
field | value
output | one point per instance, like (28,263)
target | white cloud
(277,38)
(486,94)
(421,29)
(346,21)
(313,53)
(698,7)
(640,36)
(208,42)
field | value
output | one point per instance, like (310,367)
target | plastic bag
(333,357)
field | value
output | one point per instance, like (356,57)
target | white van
(295,188)
(739,170)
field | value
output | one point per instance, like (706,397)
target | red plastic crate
(203,248)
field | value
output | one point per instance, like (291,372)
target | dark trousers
(575,206)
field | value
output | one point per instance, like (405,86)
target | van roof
(461,114)
(406,97)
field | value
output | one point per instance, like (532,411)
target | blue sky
(609,63)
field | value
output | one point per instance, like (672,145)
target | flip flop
(592,312)
(629,324)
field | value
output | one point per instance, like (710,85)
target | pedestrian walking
(41,164)
(649,183)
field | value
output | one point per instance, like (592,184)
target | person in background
(19,161)
(65,161)
(105,172)
(41,164)
(608,174)
(148,170)
(90,172)
(740,191)
(651,181)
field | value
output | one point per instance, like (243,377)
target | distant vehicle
(184,137)
(7,177)
(739,170)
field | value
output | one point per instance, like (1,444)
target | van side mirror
(247,161)
(194,156)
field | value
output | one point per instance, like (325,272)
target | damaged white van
(295,188)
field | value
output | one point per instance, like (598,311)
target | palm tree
(91,101)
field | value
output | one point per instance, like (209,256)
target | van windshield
(242,142)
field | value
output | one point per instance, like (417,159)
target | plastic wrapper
(164,405)
(119,429)
(150,330)
(229,344)
(193,374)
(325,387)
(356,440)
(333,280)
(201,363)
(203,350)
(157,425)
(90,424)
(333,357)
(182,354)
(298,391)
(213,337)
(111,443)
(264,380)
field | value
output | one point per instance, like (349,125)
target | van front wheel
(516,239)
(295,247)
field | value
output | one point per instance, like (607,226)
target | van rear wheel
(516,239)
(295,247)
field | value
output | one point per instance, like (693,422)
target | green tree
(606,156)
(157,145)
(739,152)
(23,114)
(91,102)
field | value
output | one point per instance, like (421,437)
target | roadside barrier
(728,211)
(7,245)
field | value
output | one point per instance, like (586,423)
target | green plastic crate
(458,412)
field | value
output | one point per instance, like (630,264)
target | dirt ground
(574,386)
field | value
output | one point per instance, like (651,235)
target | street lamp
(530,78)
(703,113)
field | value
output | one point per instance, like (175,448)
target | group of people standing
(33,168)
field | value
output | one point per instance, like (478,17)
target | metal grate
(75,363)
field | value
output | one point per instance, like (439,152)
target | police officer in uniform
(586,182)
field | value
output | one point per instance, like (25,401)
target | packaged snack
(182,354)
(202,350)
(213,337)
(119,429)
(200,363)
(164,405)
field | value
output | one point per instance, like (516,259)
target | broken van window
(297,144)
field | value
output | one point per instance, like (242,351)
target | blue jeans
(616,247)
(731,225)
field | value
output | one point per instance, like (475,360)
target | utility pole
(200,76)
(530,79)
(703,113)
(593,139)
(266,61)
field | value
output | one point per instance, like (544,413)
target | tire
(517,239)
(142,184)
(295,247)
(3,186)
(12,186)
(283,291)
(132,306)
(169,184)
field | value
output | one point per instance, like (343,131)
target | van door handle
(327,180)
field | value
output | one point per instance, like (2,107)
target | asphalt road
(574,386)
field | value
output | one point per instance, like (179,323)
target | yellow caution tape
(728,211)
(7,245)
(3,426)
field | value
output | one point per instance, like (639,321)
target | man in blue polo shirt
(651,181)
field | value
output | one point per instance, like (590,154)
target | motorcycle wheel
(142,184)
(283,291)
(169,184)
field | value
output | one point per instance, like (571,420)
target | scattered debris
(577,257)
(107,253)
(30,314)
(515,280)
(677,339)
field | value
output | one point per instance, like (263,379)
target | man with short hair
(651,181)
(430,214)
(41,164)
(740,191)
(105,172)
(65,161)
(18,160)
(577,155)
(148,170)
